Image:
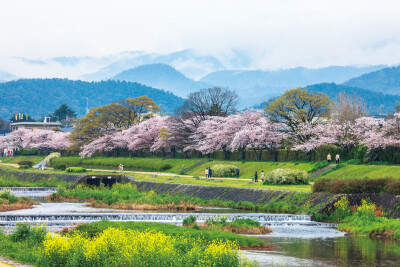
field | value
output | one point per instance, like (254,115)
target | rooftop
(36,123)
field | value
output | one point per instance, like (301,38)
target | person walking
(206,172)
(329,158)
(262,176)
(255,177)
(337,158)
(209,173)
(237,173)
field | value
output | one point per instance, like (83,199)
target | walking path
(6,262)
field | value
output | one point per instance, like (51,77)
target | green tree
(63,111)
(111,118)
(140,108)
(298,106)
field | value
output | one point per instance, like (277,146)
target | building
(34,126)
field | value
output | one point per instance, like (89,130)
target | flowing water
(299,240)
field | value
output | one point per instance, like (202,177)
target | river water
(299,241)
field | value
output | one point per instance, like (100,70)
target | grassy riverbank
(128,243)
(366,220)
(126,196)
(10,202)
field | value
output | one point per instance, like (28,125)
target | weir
(175,218)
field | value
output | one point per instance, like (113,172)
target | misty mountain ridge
(386,80)
(161,76)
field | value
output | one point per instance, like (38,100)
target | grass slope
(364,171)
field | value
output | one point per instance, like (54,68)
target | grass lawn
(226,182)
(248,168)
(16,159)
(139,164)
(364,171)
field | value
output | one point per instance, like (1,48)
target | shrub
(60,167)
(50,157)
(221,170)
(6,194)
(287,176)
(165,167)
(25,163)
(23,231)
(189,220)
(76,169)
(335,186)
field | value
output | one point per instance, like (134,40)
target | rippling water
(299,241)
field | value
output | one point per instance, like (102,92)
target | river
(299,240)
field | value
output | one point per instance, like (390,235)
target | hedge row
(335,186)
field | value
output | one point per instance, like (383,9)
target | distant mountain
(38,97)
(187,61)
(161,76)
(5,76)
(256,84)
(374,100)
(386,80)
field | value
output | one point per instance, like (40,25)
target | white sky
(275,33)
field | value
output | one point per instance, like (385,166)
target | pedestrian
(39,166)
(209,173)
(262,175)
(237,173)
(329,158)
(121,168)
(206,172)
(337,158)
(255,177)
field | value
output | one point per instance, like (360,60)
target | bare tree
(348,108)
(208,102)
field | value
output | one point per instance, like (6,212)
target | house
(34,126)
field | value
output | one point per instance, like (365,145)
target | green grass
(225,182)
(121,195)
(363,171)
(16,159)
(248,168)
(94,229)
(138,164)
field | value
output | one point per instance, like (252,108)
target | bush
(189,220)
(221,170)
(287,176)
(25,163)
(76,169)
(60,167)
(334,186)
(35,234)
(50,157)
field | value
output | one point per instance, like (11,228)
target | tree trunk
(241,154)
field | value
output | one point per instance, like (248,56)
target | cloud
(261,34)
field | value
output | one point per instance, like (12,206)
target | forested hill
(385,80)
(42,96)
(374,100)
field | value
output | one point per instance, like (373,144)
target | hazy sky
(274,33)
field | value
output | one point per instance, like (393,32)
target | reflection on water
(339,251)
